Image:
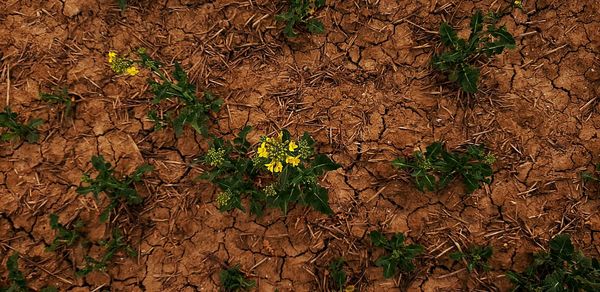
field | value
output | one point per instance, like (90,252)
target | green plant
(435,168)
(122,4)
(561,269)
(284,171)
(592,176)
(116,244)
(59,97)
(399,255)
(476,257)
(16,277)
(460,56)
(301,12)
(65,237)
(338,275)
(17,130)
(117,190)
(195,112)
(233,280)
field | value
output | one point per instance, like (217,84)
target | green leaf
(122,4)
(457,256)
(378,239)
(562,247)
(318,198)
(468,78)
(476,23)
(315,26)
(322,163)
(448,35)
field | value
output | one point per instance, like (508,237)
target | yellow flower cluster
(279,152)
(121,65)
(519,3)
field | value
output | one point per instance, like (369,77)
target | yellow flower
(294,161)
(274,166)
(132,71)
(111,56)
(292,146)
(278,167)
(262,150)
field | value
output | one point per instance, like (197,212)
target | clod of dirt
(71,8)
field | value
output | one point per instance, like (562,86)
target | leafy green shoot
(337,274)
(115,245)
(65,237)
(196,112)
(59,97)
(460,55)
(122,4)
(476,257)
(233,280)
(16,130)
(436,168)
(117,190)
(301,12)
(398,257)
(592,176)
(562,268)
(15,277)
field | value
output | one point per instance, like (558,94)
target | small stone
(71,8)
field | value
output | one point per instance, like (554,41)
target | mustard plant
(476,257)
(281,172)
(233,280)
(562,268)
(398,257)
(16,278)
(17,130)
(116,244)
(301,12)
(122,4)
(460,56)
(338,276)
(436,167)
(196,112)
(65,236)
(59,97)
(118,191)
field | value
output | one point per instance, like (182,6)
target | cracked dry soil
(366,92)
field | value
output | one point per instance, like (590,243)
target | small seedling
(288,172)
(16,130)
(561,269)
(65,237)
(122,4)
(113,246)
(399,256)
(301,12)
(475,257)
(233,280)
(435,168)
(59,97)
(460,56)
(592,176)
(195,112)
(338,276)
(16,277)
(117,190)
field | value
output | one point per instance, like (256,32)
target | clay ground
(364,90)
